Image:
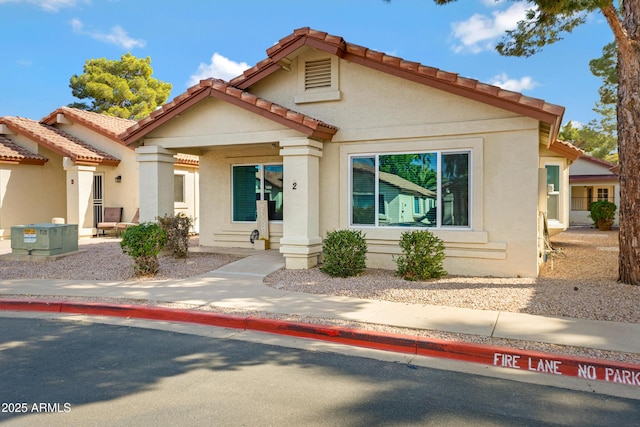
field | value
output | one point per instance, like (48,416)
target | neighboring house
(81,167)
(364,141)
(592,179)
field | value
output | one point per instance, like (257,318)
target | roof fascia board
(317,133)
(259,75)
(56,149)
(131,136)
(518,108)
(568,152)
(64,117)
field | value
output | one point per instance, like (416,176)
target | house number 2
(295,185)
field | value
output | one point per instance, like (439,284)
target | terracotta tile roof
(10,152)
(108,126)
(59,142)
(187,159)
(566,149)
(222,90)
(414,71)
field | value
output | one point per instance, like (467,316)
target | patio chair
(110,218)
(122,226)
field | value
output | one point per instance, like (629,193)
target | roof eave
(52,119)
(168,112)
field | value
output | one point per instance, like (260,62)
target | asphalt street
(61,372)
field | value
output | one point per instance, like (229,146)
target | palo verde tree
(544,24)
(121,88)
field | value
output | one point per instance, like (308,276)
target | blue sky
(45,42)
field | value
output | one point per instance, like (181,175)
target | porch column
(155,182)
(301,243)
(79,196)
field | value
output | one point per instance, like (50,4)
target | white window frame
(439,153)
(556,192)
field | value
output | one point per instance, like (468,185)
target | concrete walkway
(239,285)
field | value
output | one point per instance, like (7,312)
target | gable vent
(317,74)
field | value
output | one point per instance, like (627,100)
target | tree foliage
(417,168)
(606,67)
(599,137)
(121,88)
(545,23)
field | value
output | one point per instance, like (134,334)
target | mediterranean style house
(324,134)
(70,166)
(592,179)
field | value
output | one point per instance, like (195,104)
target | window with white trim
(256,182)
(421,189)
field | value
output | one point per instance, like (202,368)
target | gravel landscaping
(581,282)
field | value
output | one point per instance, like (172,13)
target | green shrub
(143,243)
(422,256)
(603,212)
(344,253)
(177,228)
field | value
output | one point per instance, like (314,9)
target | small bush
(422,257)
(143,243)
(603,212)
(177,228)
(344,253)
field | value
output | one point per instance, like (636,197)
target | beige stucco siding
(376,113)
(122,194)
(373,101)
(212,122)
(216,225)
(31,194)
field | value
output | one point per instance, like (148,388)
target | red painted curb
(593,369)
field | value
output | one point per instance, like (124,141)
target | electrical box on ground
(44,239)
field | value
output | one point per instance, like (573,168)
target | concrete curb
(547,363)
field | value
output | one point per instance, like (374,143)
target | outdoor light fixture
(119,178)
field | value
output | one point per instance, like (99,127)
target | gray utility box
(44,239)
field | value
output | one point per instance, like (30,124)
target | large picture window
(256,182)
(429,189)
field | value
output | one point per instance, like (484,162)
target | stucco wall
(31,194)
(216,225)
(116,194)
(377,113)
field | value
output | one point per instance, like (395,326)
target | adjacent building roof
(108,126)
(222,90)
(58,141)
(10,152)
(613,168)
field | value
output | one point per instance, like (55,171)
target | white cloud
(48,5)
(220,67)
(516,85)
(25,62)
(480,32)
(117,35)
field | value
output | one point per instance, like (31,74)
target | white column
(155,182)
(79,196)
(301,243)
